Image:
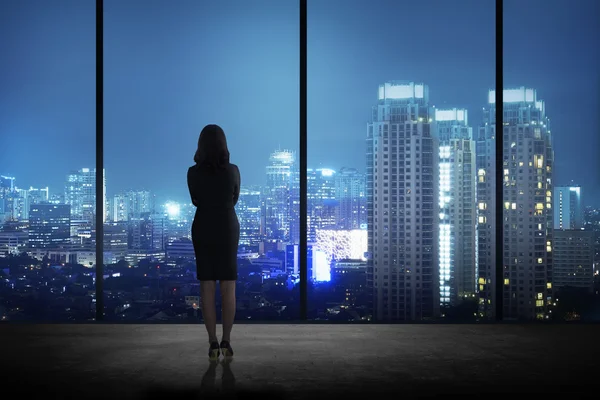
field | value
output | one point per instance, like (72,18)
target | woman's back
(214,189)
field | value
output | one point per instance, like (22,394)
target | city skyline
(463,84)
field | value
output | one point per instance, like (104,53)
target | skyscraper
(321,200)
(80,194)
(527,206)
(457,218)
(248,210)
(568,211)
(350,193)
(279,199)
(402,205)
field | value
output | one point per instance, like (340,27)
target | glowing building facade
(457,218)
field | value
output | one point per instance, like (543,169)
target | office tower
(457,218)
(279,195)
(115,240)
(7,193)
(322,204)
(573,259)
(120,208)
(140,201)
(49,226)
(350,192)
(402,205)
(248,210)
(80,194)
(159,222)
(527,206)
(34,196)
(568,211)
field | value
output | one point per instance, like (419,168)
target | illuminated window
(549,285)
(539,206)
(482,206)
(481,281)
(539,303)
(506,281)
(482,219)
(514,206)
(540,260)
(540,296)
(507,205)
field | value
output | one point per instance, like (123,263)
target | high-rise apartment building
(402,205)
(568,210)
(573,259)
(527,206)
(457,201)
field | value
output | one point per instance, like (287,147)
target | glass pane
(395,108)
(170,69)
(47,160)
(552,172)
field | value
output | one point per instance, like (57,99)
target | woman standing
(214,185)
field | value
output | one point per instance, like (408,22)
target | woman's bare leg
(228,304)
(209,310)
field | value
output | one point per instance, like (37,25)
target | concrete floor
(296,361)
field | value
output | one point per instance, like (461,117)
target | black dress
(216,229)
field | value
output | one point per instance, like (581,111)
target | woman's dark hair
(212,148)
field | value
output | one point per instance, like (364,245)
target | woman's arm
(238,183)
(191,187)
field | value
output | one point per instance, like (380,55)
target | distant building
(573,258)
(568,210)
(49,226)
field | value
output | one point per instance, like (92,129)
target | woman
(214,185)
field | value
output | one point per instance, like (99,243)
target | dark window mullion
(499,298)
(303,247)
(99,160)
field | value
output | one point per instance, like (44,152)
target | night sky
(172,67)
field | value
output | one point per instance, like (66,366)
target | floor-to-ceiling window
(397,106)
(47,160)
(551,165)
(170,69)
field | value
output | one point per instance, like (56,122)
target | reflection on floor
(296,361)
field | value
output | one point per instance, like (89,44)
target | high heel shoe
(213,351)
